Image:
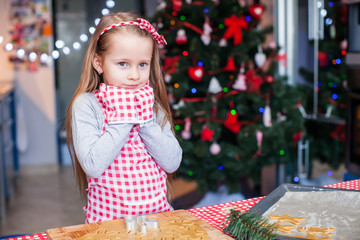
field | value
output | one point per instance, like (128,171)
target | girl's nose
(134,74)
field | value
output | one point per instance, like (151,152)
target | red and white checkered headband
(143,24)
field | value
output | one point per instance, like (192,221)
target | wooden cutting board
(76,231)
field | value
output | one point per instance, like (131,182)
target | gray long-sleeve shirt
(96,152)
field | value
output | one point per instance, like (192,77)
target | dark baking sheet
(261,207)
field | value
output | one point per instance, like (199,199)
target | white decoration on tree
(188,1)
(167,78)
(260,57)
(267,116)
(223,42)
(179,105)
(171,98)
(329,110)
(186,134)
(161,6)
(344,44)
(280,117)
(181,37)
(199,73)
(160,25)
(207,31)
(215,148)
(272,45)
(214,86)
(302,110)
(240,83)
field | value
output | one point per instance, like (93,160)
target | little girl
(119,125)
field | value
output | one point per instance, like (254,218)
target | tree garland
(247,226)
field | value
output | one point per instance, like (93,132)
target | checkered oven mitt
(144,98)
(125,106)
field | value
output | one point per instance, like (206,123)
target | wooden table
(215,214)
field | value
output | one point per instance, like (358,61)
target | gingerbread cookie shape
(316,230)
(283,228)
(287,218)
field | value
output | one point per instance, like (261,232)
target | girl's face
(127,62)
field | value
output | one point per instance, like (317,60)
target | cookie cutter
(140,223)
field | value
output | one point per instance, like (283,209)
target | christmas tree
(327,136)
(232,114)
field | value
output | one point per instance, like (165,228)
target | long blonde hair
(90,79)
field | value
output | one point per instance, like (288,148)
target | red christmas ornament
(232,122)
(177,4)
(235,26)
(181,37)
(269,79)
(170,64)
(296,138)
(282,57)
(207,134)
(253,81)
(343,13)
(196,73)
(339,133)
(230,65)
(256,11)
(323,59)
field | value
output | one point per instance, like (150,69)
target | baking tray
(261,207)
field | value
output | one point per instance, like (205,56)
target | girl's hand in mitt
(121,106)
(144,98)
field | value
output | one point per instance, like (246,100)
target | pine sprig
(248,226)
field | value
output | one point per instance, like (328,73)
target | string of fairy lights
(60,46)
(66,49)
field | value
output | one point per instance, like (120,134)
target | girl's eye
(143,64)
(122,64)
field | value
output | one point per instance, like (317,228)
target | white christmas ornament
(171,98)
(161,6)
(199,73)
(344,44)
(302,110)
(223,42)
(267,116)
(188,1)
(186,134)
(214,86)
(215,148)
(280,117)
(329,110)
(205,39)
(240,83)
(167,78)
(181,37)
(179,105)
(207,31)
(272,45)
(260,57)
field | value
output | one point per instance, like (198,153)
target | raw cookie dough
(168,229)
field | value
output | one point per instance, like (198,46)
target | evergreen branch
(247,226)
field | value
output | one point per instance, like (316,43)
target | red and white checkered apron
(132,185)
